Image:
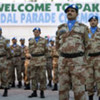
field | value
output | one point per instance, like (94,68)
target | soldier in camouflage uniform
(71,41)
(27,68)
(49,63)
(93,58)
(16,60)
(55,65)
(4,50)
(22,46)
(9,65)
(38,49)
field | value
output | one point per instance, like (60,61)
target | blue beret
(29,39)
(37,28)
(0,29)
(14,38)
(93,17)
(52,40)
(22,39)
(72,6)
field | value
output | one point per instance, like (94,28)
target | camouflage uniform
(55,64)
(4,50)
(38,62)
(71,64)
(93,62)
(16,60)
(9,64)
(49,65)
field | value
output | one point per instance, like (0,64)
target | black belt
(17,56)
(72,55)
(2,55)
(37,55)
(94,54)
(22,58)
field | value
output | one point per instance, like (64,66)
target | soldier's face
(14,41)
(93,22)
(52,42)
(22,42)
(71,14)
(37,33)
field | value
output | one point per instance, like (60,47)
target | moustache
(69,14)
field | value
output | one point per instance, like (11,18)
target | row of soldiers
(20,58)
(79,56)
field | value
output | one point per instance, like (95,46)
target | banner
(44,14)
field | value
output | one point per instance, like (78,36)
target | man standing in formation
(71,41)
(16,61)
(49,63)
(22,46)
(38,50)
(55,57)
(93,58)
(4,50)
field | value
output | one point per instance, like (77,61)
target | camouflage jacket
(94,42)
(49,53)
(73,41)
(22,51)
(16,51)
(4,47)
(38,48)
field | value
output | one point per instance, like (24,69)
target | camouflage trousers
(27,71)
(94,75)
(3,72)
(38,75)
(16,66)
(9,66)
(55,70)
(49,68)
(72,71)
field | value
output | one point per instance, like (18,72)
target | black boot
(13,84)
(50,83)
(99,98)
(42,94)
(34,94)
(55,87)
(27,87)
(5,94)
(91,97)
(19,84)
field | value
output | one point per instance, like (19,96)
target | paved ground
(21,94)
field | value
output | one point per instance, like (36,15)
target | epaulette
(98,28)
(81,24)
(30,39)
(62,25)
